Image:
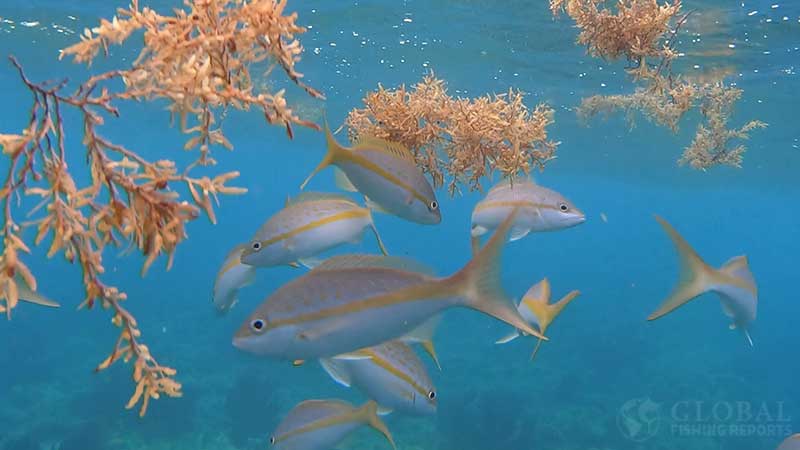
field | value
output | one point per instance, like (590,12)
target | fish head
(426,210)
(560,213)
(256,336)
(427,406)
(257,254)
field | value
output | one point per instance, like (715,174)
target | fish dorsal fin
(393,148)
(373,261)
(318,196)
(738,267)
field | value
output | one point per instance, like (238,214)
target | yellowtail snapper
(733,283)
(391,374)
(541,209)
(386,173)
(356,301)
(321,424)
(535,307)
(310,223)
(232,276)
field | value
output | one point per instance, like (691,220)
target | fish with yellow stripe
(232,276)
(541,209)
(309,224)
(733,283)
(355,301)
(391,374)
(321,424)
(386,173)
(535,307)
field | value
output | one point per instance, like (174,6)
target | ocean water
(607,379)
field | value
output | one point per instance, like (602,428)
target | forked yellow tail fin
(370,412)
(479,284)
(695,274)
(333,148)
(547,313)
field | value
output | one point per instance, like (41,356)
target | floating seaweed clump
(644,32)
(462,138)
(200,61)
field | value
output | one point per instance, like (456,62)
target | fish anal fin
(508,338)
(518,233)
(384,411)
(369,413)
(336,371)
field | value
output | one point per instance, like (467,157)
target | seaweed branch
(200,60)
(460,138)
(643,31)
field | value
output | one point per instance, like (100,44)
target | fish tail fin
(547,312)
(333,149)
(536,349)
(696,277)
(377,235)
(370,416)
(479,284)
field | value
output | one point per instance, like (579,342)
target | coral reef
(462,138)
(200,61)
(644,32)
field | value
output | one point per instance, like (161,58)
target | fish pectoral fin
(336,371)
(508,338)
(342,182)
(518,233)
(410,198)
(317,333)
(298,362)
(384,411)
(310,263)
(374,206)
(295,264)
(732,326)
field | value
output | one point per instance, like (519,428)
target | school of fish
(359,315)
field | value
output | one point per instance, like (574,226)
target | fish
(386,173)
(321,424)
(390,373)
(30,295)
(351,302)
(541,209)
(309,224)
(733,283)
(535,307)
(232,276)
(791,443)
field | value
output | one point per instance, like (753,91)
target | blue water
(605,366)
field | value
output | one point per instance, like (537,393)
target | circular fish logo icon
(639,419)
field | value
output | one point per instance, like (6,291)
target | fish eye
(256,245)
(433,205)
(432,395)
(257,325)
(563,207)
(272,440)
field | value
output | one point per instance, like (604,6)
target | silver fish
(386,173)
(733,283)
(791,443)
(541,209)
(321,424)
(536,309)
(309,224)
(356,301)
(391,374)
(232,276)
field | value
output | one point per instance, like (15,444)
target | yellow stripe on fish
(344,215)
(387,366)
(513,204)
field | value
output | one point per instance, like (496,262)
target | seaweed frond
(463,139)
(200,60)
